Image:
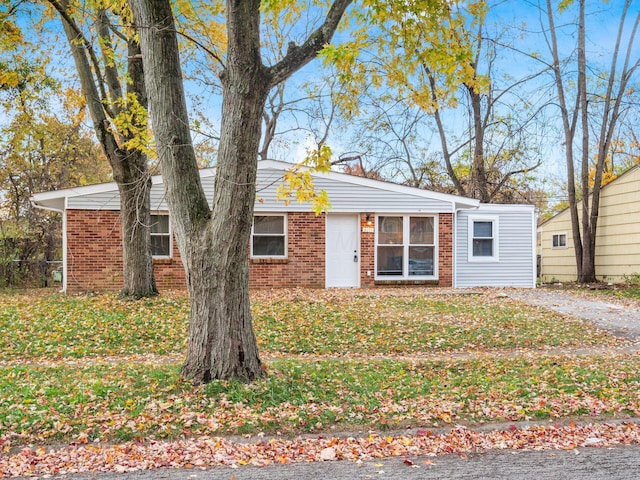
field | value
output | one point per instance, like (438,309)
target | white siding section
(108,198)
(348,197)
(345,197)
(516,244)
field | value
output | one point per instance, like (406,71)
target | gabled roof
(343,190)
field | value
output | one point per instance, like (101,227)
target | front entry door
(343,251)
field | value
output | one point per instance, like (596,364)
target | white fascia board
(57,199)
(55,204)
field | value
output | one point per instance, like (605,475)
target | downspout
(454,256)
(63,211)
(534,229)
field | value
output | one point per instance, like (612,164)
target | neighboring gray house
(375,234)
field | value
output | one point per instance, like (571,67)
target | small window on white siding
(483,239)
(269,236)
(160,236)
(559,240)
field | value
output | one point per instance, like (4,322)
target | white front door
(343,251)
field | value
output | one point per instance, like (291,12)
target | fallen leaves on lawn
(296,321)
(410,322)
(212,451)
(50,326)
(123,402)
(89,370)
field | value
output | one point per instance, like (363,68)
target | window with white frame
(160,236)
(405,246)
(269,236)
(483,239)
(559,240)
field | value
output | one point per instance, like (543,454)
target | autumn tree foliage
(106,54)
(432,109)
(43,146)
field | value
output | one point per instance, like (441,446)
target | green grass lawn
(50,390)
(298,322)
(624,292)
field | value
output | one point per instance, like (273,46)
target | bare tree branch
(298,56)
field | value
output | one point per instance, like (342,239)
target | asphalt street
(617,463)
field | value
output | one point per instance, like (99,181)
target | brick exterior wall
(304,265)
(445,250)
(94,255)
(367,250)
(94,258)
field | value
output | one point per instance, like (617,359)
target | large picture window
(405,246)
(160,236)
(483,239)
(269,236)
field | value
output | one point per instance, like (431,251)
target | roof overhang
(57,200)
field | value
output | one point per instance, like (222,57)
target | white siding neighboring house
(617,236)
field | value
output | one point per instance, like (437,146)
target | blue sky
(522,18)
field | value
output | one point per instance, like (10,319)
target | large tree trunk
(587,273)
(214,247)
(135,198)
(442,133)
(129,166)
(215,244)
(478,187)
(569,128)
(135,217)
(220,293)
(613,99)
(585,238)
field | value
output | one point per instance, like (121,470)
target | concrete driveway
(618,318)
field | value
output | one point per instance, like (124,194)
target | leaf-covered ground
(287,322)
(624,294)
(206,452)
(92,371)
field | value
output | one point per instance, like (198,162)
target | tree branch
(111,72)
(61,9)
(298,56)
(211,53)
